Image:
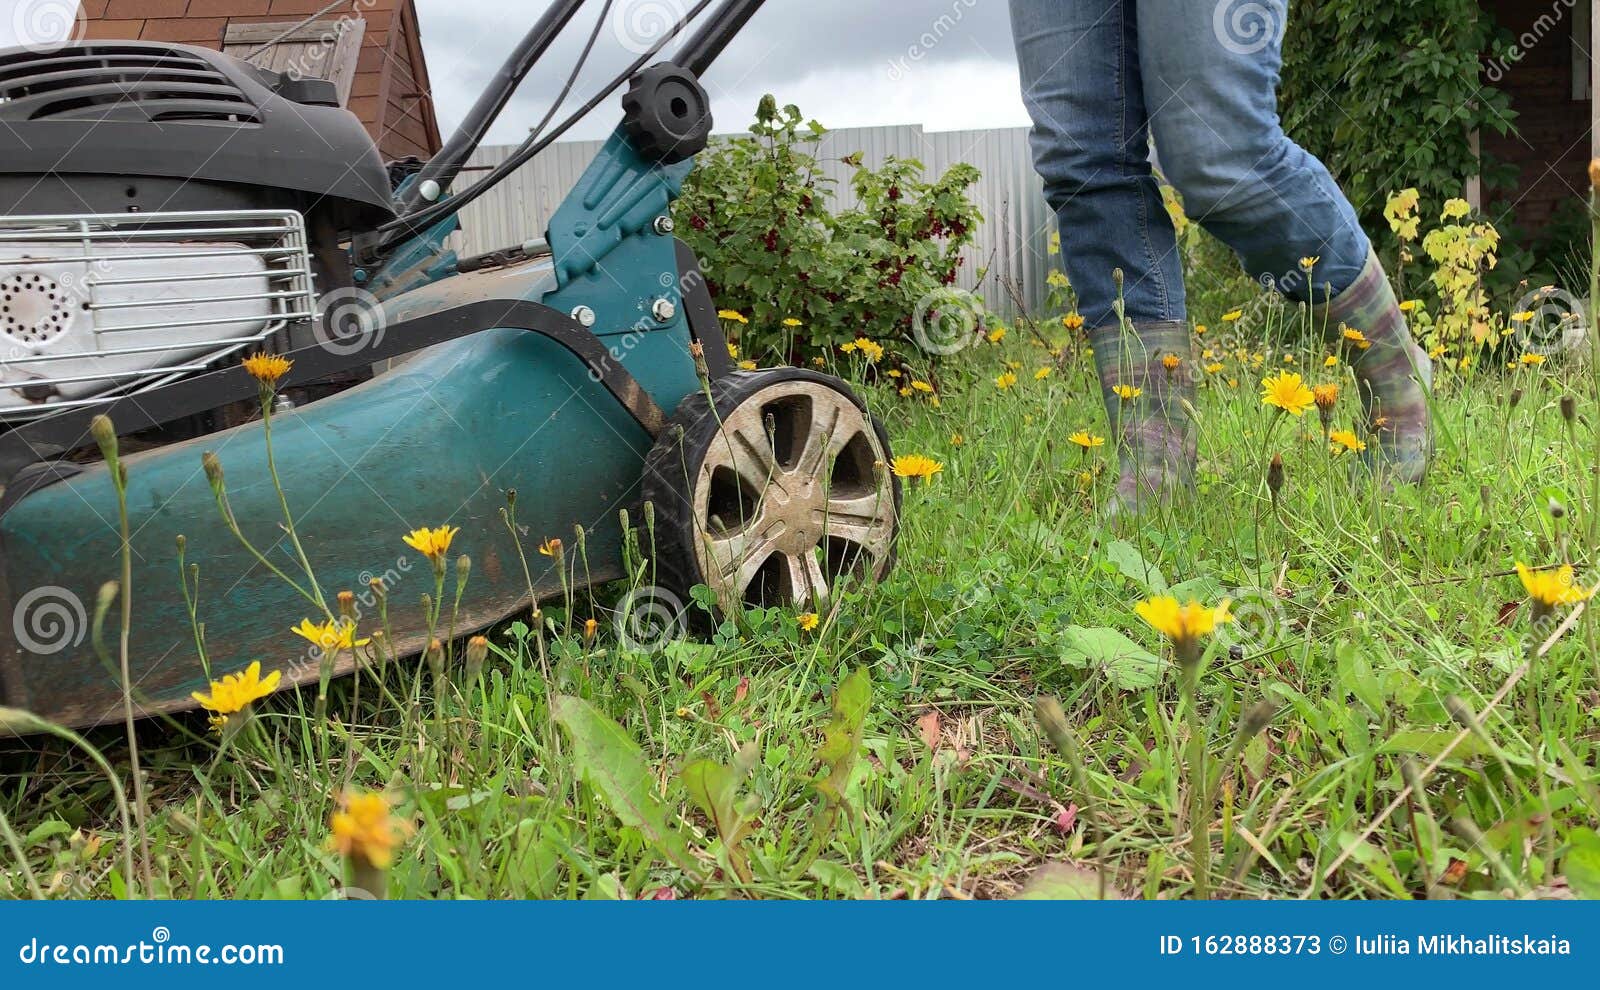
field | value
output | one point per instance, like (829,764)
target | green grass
(1373,625)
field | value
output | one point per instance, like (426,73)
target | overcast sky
(945,64)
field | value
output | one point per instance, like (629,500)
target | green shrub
(1413,66)
(758,213)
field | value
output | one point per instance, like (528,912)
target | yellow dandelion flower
(1531,358)
(997,335)
(432,543)
(1171,361)
(236,691)
(1087,440)
(748,365)
(916,467)
(870,349)
(1330,362)
(957,439)
(1356,337)
(1522,317)
(1232,317)
(1127,393)
(1041,374)
(733,315)
(1072,321)
(920,385)
(1184,625)
(364,829)
(807,621)
(335,634)
(551,547)
(1551,587)
(733,351)
(1310,262)
(1408,305)
(791,323)
(1341,441)
(1005,380)
(1214,367)
(1200,328)
(267,368)
(1287,391)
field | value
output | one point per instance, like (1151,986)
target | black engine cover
(137,126)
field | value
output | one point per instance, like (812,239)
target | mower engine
(122,271)
(91,304)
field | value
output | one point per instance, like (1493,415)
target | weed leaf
(615,767)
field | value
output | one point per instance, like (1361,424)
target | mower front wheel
(772,490)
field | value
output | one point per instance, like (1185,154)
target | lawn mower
(168,210)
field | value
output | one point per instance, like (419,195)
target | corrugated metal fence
(1011,244)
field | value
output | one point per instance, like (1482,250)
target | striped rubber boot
(1393,374)
(1155,440)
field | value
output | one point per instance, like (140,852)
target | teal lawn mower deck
(578,376)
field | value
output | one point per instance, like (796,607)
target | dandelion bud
(1569,408)
(1594,173)
(1047,709)
(702,371)
(511,499)
(435,659)
(1275,474)
(1557,510)
(183,544)
(213,468)
(427,604)
(477,653)
(579,534)
(104,598)
(590,628)
(347,604)
(1516,397)
(1256,718)
(104,434)
(463,568)
(379,589)
(1117,277)
(1463,716)
(183,823)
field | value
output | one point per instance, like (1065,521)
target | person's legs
(1210,75)
(1082,86)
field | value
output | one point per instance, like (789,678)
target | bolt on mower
(167,210)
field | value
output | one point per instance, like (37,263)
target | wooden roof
(370,49)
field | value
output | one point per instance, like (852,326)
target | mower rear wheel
(772,490)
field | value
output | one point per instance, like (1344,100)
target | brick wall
(391,93)
(1550,146)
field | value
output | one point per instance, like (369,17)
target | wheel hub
(793,494)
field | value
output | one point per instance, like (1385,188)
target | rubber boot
(1393,375)
(1155,437)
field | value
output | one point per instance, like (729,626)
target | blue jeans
(1101,78)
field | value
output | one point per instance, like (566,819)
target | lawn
(1371,722)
